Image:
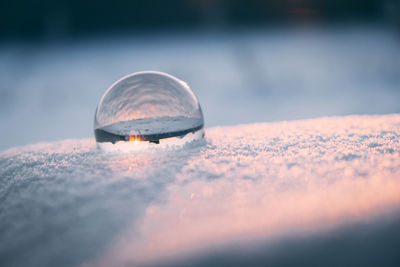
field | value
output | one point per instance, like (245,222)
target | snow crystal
(67,203)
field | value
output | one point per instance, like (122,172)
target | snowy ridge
(67,203)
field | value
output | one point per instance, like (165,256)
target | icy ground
(304,192)
(49,92)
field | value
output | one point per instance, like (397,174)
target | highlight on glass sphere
(148,106)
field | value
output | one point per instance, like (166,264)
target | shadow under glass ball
(147,106)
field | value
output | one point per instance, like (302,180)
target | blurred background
(247,61)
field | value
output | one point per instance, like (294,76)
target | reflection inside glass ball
(148,106)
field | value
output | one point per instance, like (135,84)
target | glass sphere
(147,106)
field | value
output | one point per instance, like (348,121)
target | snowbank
(67,202)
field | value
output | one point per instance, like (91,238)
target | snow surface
(68,203)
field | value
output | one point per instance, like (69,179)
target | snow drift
(68,203)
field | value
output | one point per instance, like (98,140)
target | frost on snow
(67,203)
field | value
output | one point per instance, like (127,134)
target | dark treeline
(31,19)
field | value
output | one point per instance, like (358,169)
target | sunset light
(135,139)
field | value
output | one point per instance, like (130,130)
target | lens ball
(148,106)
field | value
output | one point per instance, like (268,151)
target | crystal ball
(147,106)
